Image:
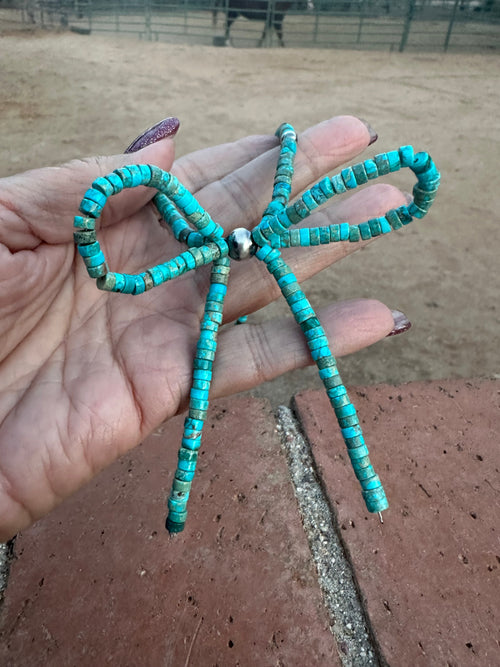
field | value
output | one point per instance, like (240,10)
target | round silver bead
(241,244)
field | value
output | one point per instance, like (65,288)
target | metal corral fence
(418,25)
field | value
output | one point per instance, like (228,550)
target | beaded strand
(205,241)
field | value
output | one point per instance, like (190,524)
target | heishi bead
(354,234)
(344,231)
(85,237)
(309,201)
(406,155)
(338,184)
(314,238)
(375,228)
(290,289)
(305,238)
(292,215)
(324,235)
(180,486)
(94,259)
(393,218)
(416,211)
(103,185)
(98,271)
(107,282)
(371,169)
(349,178)
(294,237)
(346,411)
(90,208)
(421,163)
(84,223)
(351,432)
(283,218)
(334,233)
(96,196)
(90,249)
(404,215)
(318,194)
(360,174)
(125,175)
(116,182)
(394,160)
(382,164)
(364,231)
(349,421)
(375,501)
(301,209)
(325,186)
(360,453)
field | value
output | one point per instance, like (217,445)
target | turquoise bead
(349,178)
(96,196)
(358,452)
(371,169)
(344,231)
(374,225)
(382,163)
(326,187)
(360,174)
(334,233)
(309,201)
(351,432)
(394,160)
(90,208)
(393,219)
(406,155)
(354,234)
(84,223)
(98,271)
(95,259)
(364,231)
(338,184)
(116,182)
(90,249)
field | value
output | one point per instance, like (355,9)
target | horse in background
(272,12)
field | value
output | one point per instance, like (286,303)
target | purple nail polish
(165,128)
(401,323)
(373,134)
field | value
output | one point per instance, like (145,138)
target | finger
(255,353)
(200,168)
(238,198)
(253,287)
(39,205)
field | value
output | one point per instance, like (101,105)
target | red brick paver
(100,582)
(430,575)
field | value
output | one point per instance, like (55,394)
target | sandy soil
(65,95)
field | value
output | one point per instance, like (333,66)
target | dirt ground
(65,95)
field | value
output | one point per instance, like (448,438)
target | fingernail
(401,323)
(373,134)
(165,128)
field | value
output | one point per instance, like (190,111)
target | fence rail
(423,25)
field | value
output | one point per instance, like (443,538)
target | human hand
(86,375)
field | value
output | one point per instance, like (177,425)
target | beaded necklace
(206,244)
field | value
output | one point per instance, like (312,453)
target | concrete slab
(100,582)
(430,575)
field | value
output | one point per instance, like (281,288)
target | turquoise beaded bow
(206,244)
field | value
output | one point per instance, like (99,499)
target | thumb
(39,205)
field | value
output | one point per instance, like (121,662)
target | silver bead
(241,244)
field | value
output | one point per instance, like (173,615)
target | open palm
(86,375)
